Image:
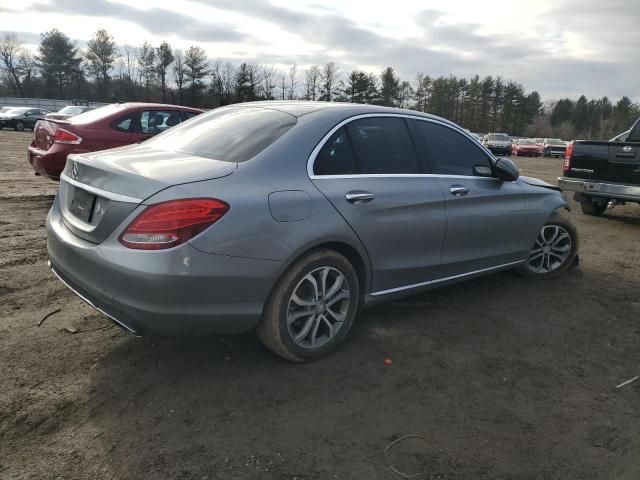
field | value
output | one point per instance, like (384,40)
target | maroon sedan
(524,147)
(105,127)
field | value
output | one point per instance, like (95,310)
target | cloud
(154,19)
(571,47)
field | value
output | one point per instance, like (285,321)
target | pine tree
(59,61)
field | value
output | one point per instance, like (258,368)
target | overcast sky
(558,47)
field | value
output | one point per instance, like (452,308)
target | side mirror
(505,169)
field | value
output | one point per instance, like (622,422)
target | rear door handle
(359,196)
(459,190)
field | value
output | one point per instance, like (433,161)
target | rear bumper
(600,189)
(49,163)
(176,292)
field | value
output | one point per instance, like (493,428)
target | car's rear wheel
(312,308)
(589,207)
(554,251)
(19,126)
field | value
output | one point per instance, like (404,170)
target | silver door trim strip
(321,143)
(439,280)
(116,197)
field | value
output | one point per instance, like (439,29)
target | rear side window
(336,156)
(123,124)
(451,153)
(233,134)
(383,145)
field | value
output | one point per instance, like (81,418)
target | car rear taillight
(167,224)
(567,158)
(65,136)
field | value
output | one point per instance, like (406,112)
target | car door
(485,216)
(370,171)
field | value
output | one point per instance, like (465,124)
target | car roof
(156,105)
(299,108)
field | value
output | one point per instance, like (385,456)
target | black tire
(19,126)
(273,329)
(566,224)
(591,208)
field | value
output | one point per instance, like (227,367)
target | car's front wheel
(554,251)
(312,308)
(19,126)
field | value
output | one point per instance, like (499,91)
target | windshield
(555,141)
(526,142)
(229,134)
(17,110)
(500,137)
(97,114)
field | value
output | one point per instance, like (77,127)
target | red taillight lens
(171,223)
(567,158)
(65,136)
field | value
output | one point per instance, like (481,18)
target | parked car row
(20,118)
(286,218)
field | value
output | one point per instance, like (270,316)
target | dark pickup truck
(603,173)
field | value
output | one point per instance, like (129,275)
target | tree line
(105,72)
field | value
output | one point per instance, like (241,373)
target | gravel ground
(505,378)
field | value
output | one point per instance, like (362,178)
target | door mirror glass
(505,169)
(482,171)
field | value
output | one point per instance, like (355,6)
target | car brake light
(65,136)
(567,158)
(167,224)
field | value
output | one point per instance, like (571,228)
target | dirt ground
(505,378)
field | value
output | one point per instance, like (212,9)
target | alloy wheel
(19,126)
(318,307)
(551,250)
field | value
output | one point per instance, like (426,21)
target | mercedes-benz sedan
(289,217)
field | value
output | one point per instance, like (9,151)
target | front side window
(383,145)
(451,153)
(336,156)
(157,121)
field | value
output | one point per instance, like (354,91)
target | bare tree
(329,79)
(268,82)
(293,81)
(10,51)
(312,78)
(178,74)
(283,84)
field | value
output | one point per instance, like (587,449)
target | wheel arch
(356,255)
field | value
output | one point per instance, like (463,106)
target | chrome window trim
(116,197)
(314,153)
(439,280)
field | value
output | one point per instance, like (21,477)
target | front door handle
(459,190)
(359,196)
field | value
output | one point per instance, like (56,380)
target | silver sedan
(290,217)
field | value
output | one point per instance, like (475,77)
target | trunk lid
(99,190)
(44,132)
(617,162)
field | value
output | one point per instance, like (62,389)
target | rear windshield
(526,142)
(228,134)
(71,109)
(555,141)
(500,137)
(97,114)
